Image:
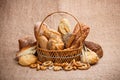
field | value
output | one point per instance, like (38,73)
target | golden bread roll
(64,26)
(51,33)
(54,40)
(51,44)
(42,29)
(26,60)
(90,57)
(94,47)
(42,41)
(54,44)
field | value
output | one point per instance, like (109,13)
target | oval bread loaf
(94,47)
(42,29)
(26,60)
(26,41)
(64,26)
(42,41)
(90,57)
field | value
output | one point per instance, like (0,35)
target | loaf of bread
(26,41)
(94,47)
(26,60)
(90,57)
(68,39)
(77,31)
(27,50)
(51,33)
(55,44)
(54,40)
(64,26)
(80,35)
(42,41)
(42,29)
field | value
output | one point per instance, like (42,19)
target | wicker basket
(58,55)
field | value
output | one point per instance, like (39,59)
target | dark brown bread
(26,41)
(94,47)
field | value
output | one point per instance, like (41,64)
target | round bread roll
(55,44)
(42,41)
(26,60)
(90,57)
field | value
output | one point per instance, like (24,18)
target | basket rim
(46,50)
(73,56)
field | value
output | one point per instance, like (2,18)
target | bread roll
(51,44)
(51,33)
(54,40)
(64,26)
(42,29)
(42,41)
(90,57)
(26,60)
(54,44)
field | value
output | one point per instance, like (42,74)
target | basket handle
(55,13)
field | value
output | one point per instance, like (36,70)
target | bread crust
(64,26)
(26,50)
(68,39)
(80,35)
(43,28)
(42,41)
(26,41)
(26,60)
(94,47)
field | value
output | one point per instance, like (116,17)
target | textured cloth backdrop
(17,18)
